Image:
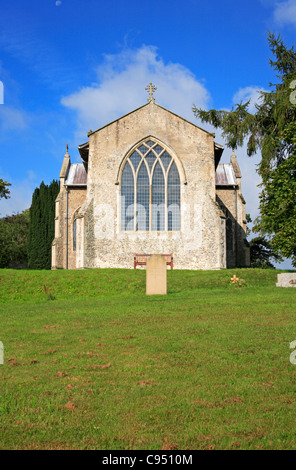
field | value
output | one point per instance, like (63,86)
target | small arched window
(74,235)
(74,227)
(150,190)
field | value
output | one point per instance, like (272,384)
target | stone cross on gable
(151,89)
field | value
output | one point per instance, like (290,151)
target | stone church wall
(237,247)
(76,198)
(197,246)
(201,242)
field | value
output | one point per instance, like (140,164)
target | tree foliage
(270,130)
(278,203)
(262,254)
(14,231)
(41,231)
(263,129)
(4,191)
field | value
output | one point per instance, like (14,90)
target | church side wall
(57,244)
(76,198)
(237,255)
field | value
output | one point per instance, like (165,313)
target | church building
(150,182)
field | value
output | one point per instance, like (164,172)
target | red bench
(140,260)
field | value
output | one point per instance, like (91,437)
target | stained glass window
(150,190)
(158,199)
(150,159)
(143,149)
(127,198)
(158,149)
(173,199)
(135,159)
(143,197)
(166,160)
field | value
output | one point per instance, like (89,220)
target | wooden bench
(140,260)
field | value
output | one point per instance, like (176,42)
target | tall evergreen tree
(41,231)
(271,129)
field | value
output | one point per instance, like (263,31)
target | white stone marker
(286,280)
(156,275)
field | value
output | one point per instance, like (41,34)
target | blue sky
(73,65)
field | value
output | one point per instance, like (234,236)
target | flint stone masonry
(286,280)
(201,242)
(156,275)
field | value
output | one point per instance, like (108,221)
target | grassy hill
(91,362)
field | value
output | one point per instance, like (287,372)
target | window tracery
(150,190)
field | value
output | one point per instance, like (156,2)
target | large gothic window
(150,190)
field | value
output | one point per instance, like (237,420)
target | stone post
(156,275)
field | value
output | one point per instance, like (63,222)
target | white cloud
(20,194)
(285,12)
(120,88)
(58,3)
(12,118)
(251,93)
(250,178)
(248,165)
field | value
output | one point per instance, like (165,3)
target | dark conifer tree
(41,232)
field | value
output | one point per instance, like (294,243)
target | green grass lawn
(91,362)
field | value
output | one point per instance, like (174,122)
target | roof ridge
(140,107)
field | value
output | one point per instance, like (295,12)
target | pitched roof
(77,175)
(84,148)
(225,175)
(143,106)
